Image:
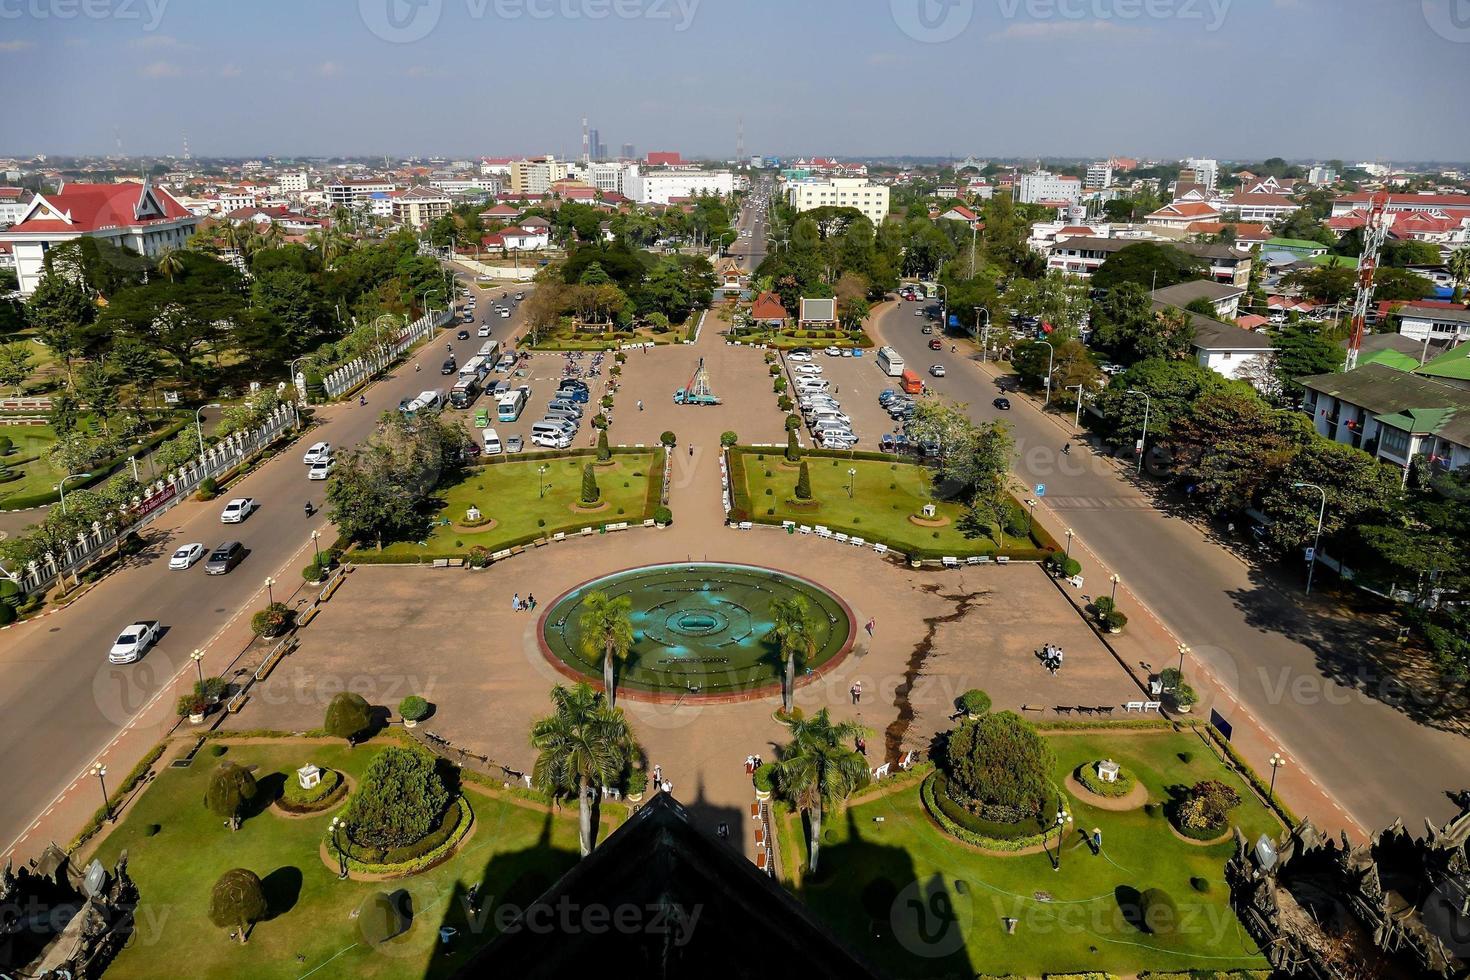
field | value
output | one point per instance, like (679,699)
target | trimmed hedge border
(927,794)
(1272,801)
(119,796)
(423,861)
(322,801)
(1068,725)
(1085,775)
(1205,975)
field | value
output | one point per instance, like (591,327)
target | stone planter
(762,795)
(1183,709)
(634,797)
(197,718)
(410,723)
(1115,629)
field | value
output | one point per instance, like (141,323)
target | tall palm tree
(818,769)
(170,263)
(796,629)
(607,632)
(1459,266)
(583,744)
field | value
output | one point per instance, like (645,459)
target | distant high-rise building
(1099,175)
(1206,173)
(630,152)
(597,149)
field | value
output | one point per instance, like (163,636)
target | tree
(1359,488)
(15,365)
(999,766)
(399,801)
(1172,387)
(231,789)
(1147,264)
(96,385)
(1302,353)
(1459,269)
(793,450)
(61,311)
(348,716)
(803,483)
(237,902)
(590,493)
(604,451)
(1400,284)
(1231,445)
(378,489)
(818,769)
(583,744)
(607,634)
(794,625)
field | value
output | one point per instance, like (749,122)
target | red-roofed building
(141,217)
(768,309)
(1450,205)
(664,158)
(503,213)
(1182,214)
(961,213)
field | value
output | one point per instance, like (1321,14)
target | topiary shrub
(785,404)
(7,614)
(590,493)
(765,777)
(999,767)
(1064,566)
(662,515)
(382,917)
(208,489)
(728,438)
(804,483)
(237,901)
(793,422)
(974,702)
(399,800)
(666,438)
(793,449)
(1158,914)
(348,717)
(1017,523)
(6,445)
(413,708)
(230,790)
(312,573)
(218,750)
(272,621)
(1201,885)
(604,451)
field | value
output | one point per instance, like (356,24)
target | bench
(500,555)
(882,771)
(788,524)
(648,522)
(856,541)
(755,811)
(585,531)
(881,548)
(972,560)
(441,563)
(1063,709)
(559,536)
(746,525)
(804,529)
(822,532)
(308,616)
(907,762)
(840,537)
(949,561)
(1002,559)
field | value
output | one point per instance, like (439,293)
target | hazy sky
(1361,79)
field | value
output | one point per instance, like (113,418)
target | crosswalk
(1058,503)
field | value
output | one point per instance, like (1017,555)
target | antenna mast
(1375,229)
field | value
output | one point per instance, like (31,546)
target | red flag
(1045,327)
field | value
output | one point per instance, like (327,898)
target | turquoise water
(699,628)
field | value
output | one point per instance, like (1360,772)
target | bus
(475,368)
(890,361)
(490,351)
(511,404)
(464,392)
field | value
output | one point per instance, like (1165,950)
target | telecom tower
(586,143)
(1375,229)
(739,140)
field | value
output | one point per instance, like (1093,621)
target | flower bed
(418,856)
(322,796)
(1086,774)
(952,818)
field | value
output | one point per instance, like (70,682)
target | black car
(462,335)
(449,366)
(224,558)
(1004,404)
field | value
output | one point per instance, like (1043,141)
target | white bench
(648,522)
(788,524)
(1002,559)
(973,560)
(823,532)
(949,561)
(746,525)
(1152,705)
(1075,581)
(882,549)
(586,531)
(882,771)
(500,555)
(857,541)
(839,536)
(907,762)
(804,529)
(559,536)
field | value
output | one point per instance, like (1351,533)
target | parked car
(318,451)
(225,557)
(832,352)
(1004,404)
(811,369)
(937,370)
(237,510)
(132,642)
(321,469)
(799,355)
(936,344)
(514,444)
(186,556)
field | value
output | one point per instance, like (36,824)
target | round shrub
(1201,885)
(1086,774)
(974,702)
(381,917)
(1204,811)
(218,750)
(399,801)
(348,716)
(230,790)
(237,901)
(272,621)
(208,488)
(152,830)
(662,515)
(1064,566)
(6,445)
(667,438)
(765,777)
(7,614)
(413,708)
(999,767)
(728,438)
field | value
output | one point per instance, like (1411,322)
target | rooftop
(1184,293)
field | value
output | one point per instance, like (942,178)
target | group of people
(659,782)
(1051,658)
(752,763)
(523,605)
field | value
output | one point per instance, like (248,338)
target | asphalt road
(60,700)
(1299,664)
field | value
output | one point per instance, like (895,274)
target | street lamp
(1063,818)
(198,657)
(1276,762)
(1030,514)
(1143,439)
(1317,541)
(1183,649)
(851,482)
(984,331)
(943,306)
(1069,543)
(337,826)
(316,547)
(1077,419)
(270,595)
(199,423)
(541,472)
(61,487)
(1115,580)
(1051,356)
(100,771)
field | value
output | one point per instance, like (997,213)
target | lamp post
(984,332)
(336,826)
(270,595)
(943,306)
(61,487)
(198,657)
(1063,818)
(541,473)
(1077,418)
(1276,762)
(1069,543)
(1051,356)
(316,547)
(1115,580)
(1317,541)
(851,482)
(1143,439)
(100,771)
(1030,514)
(199,423)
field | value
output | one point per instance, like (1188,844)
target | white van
(807,386)
(492,442)
(829,415)
(551,435)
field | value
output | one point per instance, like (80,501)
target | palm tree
(819,769)
(796,629)
(1459,266)
(582,745)
(170,263)
(607,632)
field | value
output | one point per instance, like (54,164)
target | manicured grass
(1069,920)
(32,443)
(884,495)
(507,493)
(514,851)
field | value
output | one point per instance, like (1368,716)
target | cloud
(160,42)
(329,69)
(230,71)
(8,46)
(879,59)
(162,69)
(1033,30)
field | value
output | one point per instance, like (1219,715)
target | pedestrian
(515,602)
(857,691)
(691,449)
(1058,659)
(862,746)
(1096,841)
(749,765)
(872,625)
(531,600)
(640,404)
(757,762)
(667,786)
(658,775)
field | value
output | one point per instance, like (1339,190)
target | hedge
(499,785)
(930,798)
(430,850)
(1257,783)
(1205,975)
(293,796)
(1087,776)
(1061,725)
(119,796)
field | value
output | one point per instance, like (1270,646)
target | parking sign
(1041,489)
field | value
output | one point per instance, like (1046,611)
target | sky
(1232,79)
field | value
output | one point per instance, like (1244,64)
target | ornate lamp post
(337,826)
(100,771)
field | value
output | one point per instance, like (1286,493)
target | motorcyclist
(309,508)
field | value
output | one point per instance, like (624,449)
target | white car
(318,452)
(505,314)
(484,330)
(799,355)
(186,556)
(132,641)
(937,370)
(321,469)
(812,369)
(237,510)
(832,352)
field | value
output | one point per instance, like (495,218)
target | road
(61,702)
(1298,664)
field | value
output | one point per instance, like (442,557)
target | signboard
(954,321)
(1041,489)
(1311,554)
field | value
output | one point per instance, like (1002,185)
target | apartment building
(663,186)
(1099,175)
(296,183)
(1391,414)
(529,177)
(1081,256)
(357,193)
(1046,186)
(418,206)
(467,185)
(841,192)
(1201,171)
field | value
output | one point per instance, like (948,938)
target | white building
(464,185)
(141,217)
(1201,171)
(841,192)
(1391,414)
(293,183)
(234,200)
(1434,323)
(13,204)
(660,186)
(418,206)
(1099,175)
(1046,186)
(536,176)
(356,193)
(611,178)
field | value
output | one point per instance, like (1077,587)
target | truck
(911,382)
(890,361)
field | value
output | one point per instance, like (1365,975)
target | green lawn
(1068,920)
(514,851)
(32,444)
(884,494)
(507,493)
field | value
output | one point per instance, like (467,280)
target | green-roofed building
(1392,414)
(1452,367)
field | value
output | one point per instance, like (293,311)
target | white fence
(355,372)
(157,498)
